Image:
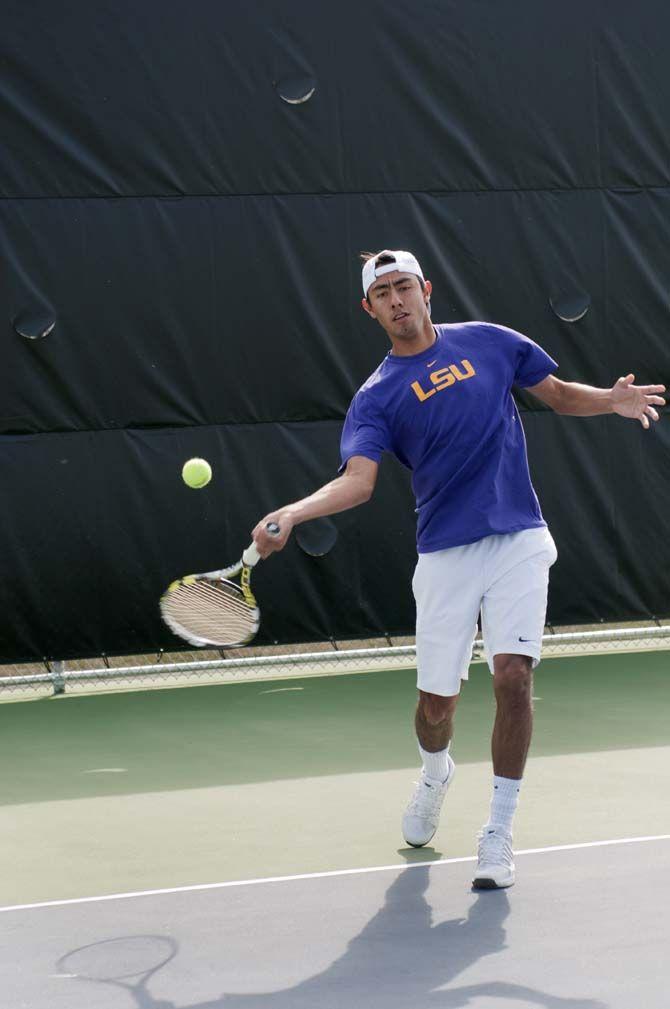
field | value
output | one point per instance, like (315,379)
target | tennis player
(441,402)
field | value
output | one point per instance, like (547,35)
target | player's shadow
(402,961)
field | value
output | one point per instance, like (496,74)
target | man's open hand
(636,401)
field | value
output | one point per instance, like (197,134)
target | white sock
(504,802)
(435,765)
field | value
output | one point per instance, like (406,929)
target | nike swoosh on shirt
(431,364)
(526,639)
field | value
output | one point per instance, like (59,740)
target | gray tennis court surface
(584,928)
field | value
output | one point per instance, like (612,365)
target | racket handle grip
(251,556)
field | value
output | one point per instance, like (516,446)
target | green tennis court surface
(135,791)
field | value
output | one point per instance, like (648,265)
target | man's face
(399,304)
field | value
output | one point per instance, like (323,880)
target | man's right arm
(353,487)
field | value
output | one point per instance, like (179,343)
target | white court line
(323,875)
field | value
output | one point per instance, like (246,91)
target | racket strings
(213,612)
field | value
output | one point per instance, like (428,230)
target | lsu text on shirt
(448,415)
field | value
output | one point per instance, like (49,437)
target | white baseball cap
(404,262)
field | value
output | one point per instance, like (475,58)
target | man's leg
(513,726)
(434,728)
(513,616)
(434,721)
(447,587)
(512,730)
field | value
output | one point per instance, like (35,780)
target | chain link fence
(330,658)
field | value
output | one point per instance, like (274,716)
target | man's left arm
(624,398)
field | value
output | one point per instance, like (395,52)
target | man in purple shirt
(441,402)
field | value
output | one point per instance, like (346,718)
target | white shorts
(506,577)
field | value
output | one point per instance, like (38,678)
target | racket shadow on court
(400,959)
(126,962)
(403,959)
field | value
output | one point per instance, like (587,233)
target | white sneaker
(495,859)
(423,812)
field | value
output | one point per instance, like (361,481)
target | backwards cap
(404,262)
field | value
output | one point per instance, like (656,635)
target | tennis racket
(117,961)
(210,609)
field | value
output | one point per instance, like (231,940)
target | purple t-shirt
(448,415)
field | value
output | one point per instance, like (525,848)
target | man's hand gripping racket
(210,608)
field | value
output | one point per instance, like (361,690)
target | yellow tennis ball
(196,473)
